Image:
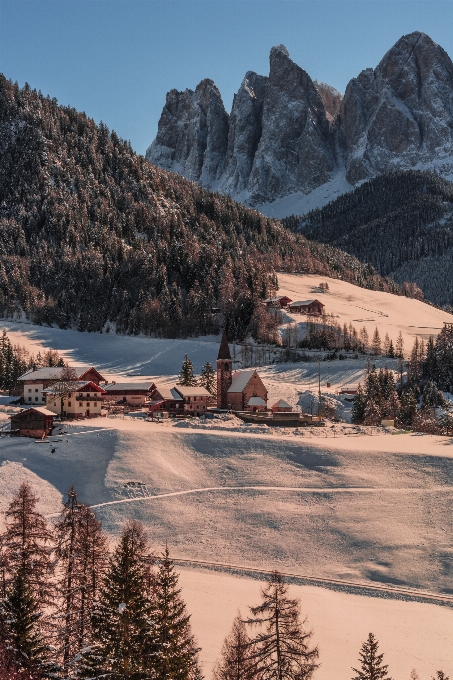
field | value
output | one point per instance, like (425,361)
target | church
(238,390)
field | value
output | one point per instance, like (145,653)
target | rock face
(192,135)
(400,114)
(294,152)
(288,134)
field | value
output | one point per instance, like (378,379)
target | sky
(117,59)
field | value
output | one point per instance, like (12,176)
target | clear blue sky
(116,59)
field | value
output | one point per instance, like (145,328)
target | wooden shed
(33,422)
(307,307)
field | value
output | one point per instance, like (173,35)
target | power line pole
(319,389)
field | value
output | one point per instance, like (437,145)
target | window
(36,390)
(95,403)
(88,404)
(36,398)
(29,390)
(80,403)
(69,403)
(29,398)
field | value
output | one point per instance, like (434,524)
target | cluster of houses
(90,393)
(311,307)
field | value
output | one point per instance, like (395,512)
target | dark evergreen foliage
(186,374)
(399,222)
(92,236)
(371,666)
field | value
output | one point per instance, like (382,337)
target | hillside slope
(401,222)
(91,234)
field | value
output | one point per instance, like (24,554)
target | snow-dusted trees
(208,378)
(237,659)
(371,663)
(377,399)
(81,551)
(282,642)
(28,544)
(174,653)
(120,648)
(186,374)
(22,630)
(376,347)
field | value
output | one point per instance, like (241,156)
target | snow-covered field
(357,505)
(411,635)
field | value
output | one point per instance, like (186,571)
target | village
(56,393)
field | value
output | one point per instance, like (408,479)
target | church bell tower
(224,373)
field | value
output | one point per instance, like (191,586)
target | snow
(342,503)
(411,635)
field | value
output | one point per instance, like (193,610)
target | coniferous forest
(94,237)
(402,223)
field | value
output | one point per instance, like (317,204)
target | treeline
(401,222)
(16,360)
(417,402)
(94,237)
(72,609)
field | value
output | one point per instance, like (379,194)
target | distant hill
(402,223)
(92,235)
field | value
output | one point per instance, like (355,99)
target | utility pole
(319,389)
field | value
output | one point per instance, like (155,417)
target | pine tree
(359,405)
(22,614)
(175,655)
(208,378)
(186,374)
(391,406)
(391,350)
(29,543)
(81,552)
(282,642)
(408,408)
(440,675)
(371,664)
(237,660)
(400,346)
(372,414)
(386,345)
(376,343)
(432,397)
(121,621)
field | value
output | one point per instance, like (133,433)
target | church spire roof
(224,350)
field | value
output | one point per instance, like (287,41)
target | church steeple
(224,372)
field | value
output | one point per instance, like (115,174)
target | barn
(33,422)
(307,307)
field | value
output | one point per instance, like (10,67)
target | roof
(304,302)
(168,393)
(50,372)
(277,298)
(256,401)
(224,350)
(40,409)
(240,380)
(281,403)
(193,391)
(118,387)
(79,386)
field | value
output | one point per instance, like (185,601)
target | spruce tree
(440,675)
(237,658)
(358,406)
(186,374)
(376,343)
(175,655)
(372,414)
(22,616)
(208,378)
(282,642)
(371,666)
(28,544)
(119,649)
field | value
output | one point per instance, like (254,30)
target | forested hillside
(400,222)
(92,236)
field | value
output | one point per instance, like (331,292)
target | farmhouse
(36,381)
(279,301)
(180,400)
(307,307)
(33,422)
(84,400)
(132,393)
(281,406)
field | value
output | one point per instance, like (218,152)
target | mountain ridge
(293,143)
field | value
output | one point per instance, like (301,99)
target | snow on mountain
(292,144)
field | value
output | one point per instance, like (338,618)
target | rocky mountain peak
(288,134)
